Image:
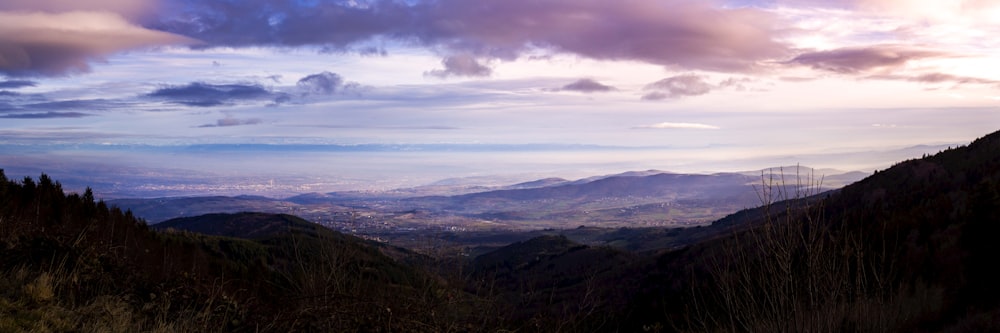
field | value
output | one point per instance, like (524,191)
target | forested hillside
(69,264)
(909,249)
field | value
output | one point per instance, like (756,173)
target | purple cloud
(14,84)
(461,65)
(38,103)
(77,104)
(682,33)
(736,83)
(126,8)
(675,125)
(587,86)
(690,34)
(942,77)
(48,44)
(936,78)
(205,95)
(678,86)
(321,83)
(861,59)
(46,115)
(230,121)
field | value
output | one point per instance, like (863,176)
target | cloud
(461,65)
(46,115)
(682,33)
(736,83)
(853,60)
(204,95)
(689,34)
(797,79)
(75,104)
(937,78)
(321,83)
(415,127)
(126,8)
(230,121)
(14,84)
(670,125)
(51,44)
(678,86)
(587,86)
(63,105)
(932,11)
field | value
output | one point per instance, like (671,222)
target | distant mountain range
(649,197)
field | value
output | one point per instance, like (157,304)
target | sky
(378,94)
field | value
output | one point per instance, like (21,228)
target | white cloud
(671,125)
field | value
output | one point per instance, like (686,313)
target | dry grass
(34,299)
(797,272)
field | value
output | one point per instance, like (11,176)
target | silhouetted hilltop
(240,225)
(161,209)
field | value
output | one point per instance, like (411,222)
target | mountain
(911,248)
(72,264)
(156,210)
(553,277)
(644,198)
(648,198)
(545,182)
(908,249)
(241,225)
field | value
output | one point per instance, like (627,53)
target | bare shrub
(795,271)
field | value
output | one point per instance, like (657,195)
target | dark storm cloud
(202,94)
(14,84)
(690,34)
(854,60)
(46,115)
(587,86)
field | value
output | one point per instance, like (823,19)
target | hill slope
(908,249)
(240,225)
(68,263)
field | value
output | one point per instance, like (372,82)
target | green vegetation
(909,249)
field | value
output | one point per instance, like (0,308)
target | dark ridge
(240,225)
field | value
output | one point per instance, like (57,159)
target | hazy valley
(905,249)
(447,211)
